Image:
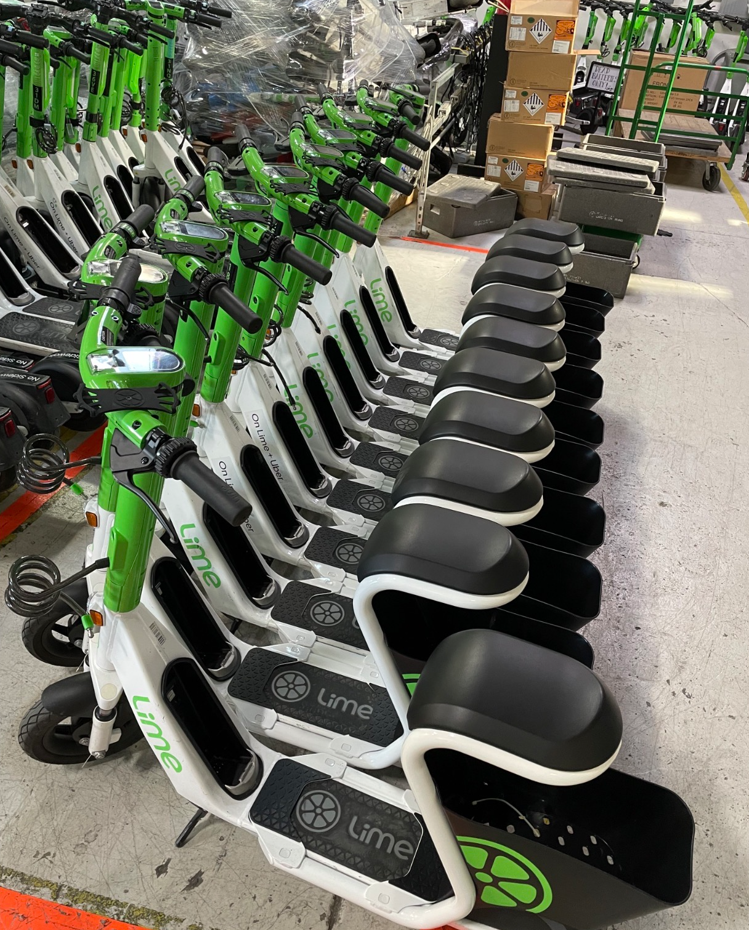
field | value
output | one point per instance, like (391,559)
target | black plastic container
(595,296)
(583,350)
(567,522)
(570,466)
(545,851)
(578,386)
(576,423)
(562,589)
(584,319)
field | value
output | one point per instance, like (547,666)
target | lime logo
(411,679)
(510,879)
(318,812)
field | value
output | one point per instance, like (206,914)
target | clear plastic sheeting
(268,50)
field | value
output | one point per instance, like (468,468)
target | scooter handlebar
(29,39)
(313,269)
(408,112)
(218,11)
(370,200)
(242,133)
(124,282)
(404,157)
(342,224)
(394,181)
(195,186)
(223,296)
(207,19)
(157,30)
(217,155)
(414,138)
(210,488)
(141,218)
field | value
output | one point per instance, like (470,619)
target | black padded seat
(513,695)
(498,373)
(524,339)
(516,303)
(487,479)
(447,548)
(539,250)
(496,422)
(555,230)
(522,272)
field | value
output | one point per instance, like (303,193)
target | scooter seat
(555,230)
(473,476)
(524,699)
(516,303)
(498,373)
(446,548)
(539,250)
(496,422)
(523,272)
(523,339)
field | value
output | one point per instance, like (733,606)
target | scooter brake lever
(319,240)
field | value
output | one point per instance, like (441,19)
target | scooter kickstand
(191,824)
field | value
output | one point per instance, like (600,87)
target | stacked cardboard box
(540,75)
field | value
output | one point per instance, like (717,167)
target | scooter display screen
(197,230)
(149,274)
(133,360)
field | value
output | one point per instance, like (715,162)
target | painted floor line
(24,912)
(735,193)
(443,245)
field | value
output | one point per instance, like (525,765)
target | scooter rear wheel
(48,737)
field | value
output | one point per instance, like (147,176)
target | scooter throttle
(414,138)
(342,224)
(369,199)
(223,296)
(188,468)
(313,269)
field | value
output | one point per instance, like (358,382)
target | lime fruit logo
(411,679)
(509,879)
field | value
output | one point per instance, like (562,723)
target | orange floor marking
(23,912)
(444,245)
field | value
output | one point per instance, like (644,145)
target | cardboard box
(535,106)
(526,140)
(686,78)
(542,26)
(515,173)
(458,205)
(536,206)
(539,71)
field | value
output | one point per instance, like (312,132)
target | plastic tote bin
(458,205)
(628,212)
(607,271)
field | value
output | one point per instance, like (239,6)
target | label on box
(512,106)
(540,30)
(513,170)
(565,29)
(517,35)
(553,119)
(534,174)
(510,94)
(560,48)
(494,171)
(533,104)
(557,103)
(516,20)
(532,186)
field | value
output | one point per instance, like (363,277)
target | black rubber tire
(711,182)
(45,737)
(37,637)
(745,173)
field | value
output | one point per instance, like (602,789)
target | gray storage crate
(619,246)
(458,205)
(591,206)
(607,271)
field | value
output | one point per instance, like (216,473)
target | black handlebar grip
(141,217)
(348,227)
(215,154)
(408,112)
(207,19)
(22,67)
(300,102)
(158,30)
(122,289)
(74,52)
(210,488)
(313,269)
(219,11)
(394,181)
(29,39)
(132,46)
(414,138)
(223,296)
(405,158)
(324,91)
(370,200)
(195,186)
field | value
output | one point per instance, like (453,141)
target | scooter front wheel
(55,638)
(50,737)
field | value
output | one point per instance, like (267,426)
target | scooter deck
(347,827)
(67,311)
(405,389)
(317,697)
(392,420)
(365,501)
(34,331)
(330,616)
(336,548)
(435,337)
(378,458)
(416,361)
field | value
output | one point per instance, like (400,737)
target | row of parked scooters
(285,449)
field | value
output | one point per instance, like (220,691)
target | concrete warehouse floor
(670,641)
